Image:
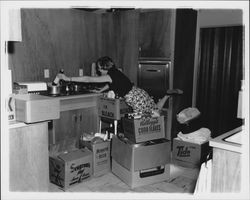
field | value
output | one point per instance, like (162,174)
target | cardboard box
(138,178)
(69,169)
(138,164)
(101,156)
(113,108)
(143,129)
(189,154)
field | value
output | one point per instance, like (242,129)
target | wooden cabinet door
(155,33)
(66,126)
(87,121)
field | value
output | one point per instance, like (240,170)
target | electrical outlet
(46,73)
(81,72)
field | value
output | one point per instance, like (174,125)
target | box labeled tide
(188,154)
(141,164)
(143,129)
(101,156)
(72,168)
(112,108)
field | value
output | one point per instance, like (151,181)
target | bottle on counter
(56,80)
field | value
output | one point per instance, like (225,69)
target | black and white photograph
(124,100)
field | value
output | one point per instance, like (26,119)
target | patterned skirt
(140,101)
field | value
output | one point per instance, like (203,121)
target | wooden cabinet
(73,123)
(155,33)
(226,171)
(78,115)
(29,158)
(66,126)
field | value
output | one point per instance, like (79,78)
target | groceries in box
(100,148)
(144,128)
(141,164)
(70,168)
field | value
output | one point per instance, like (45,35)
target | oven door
(154,77)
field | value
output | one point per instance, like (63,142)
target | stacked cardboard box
(70,168)
(142,156)
(141,164)
(101,156)
(189,154)
(143,129)
(113,109)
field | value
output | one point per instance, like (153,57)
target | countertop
(220,142)
(75,96)
(18,124)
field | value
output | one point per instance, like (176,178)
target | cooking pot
(54,89)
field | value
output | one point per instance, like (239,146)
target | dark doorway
(219,77)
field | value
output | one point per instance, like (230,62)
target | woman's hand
(100,90)
(96,91)
(61,76)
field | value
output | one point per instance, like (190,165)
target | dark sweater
(121,84)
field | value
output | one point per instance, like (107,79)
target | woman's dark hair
(105,63)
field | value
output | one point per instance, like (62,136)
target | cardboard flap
(121,152)
(74,155)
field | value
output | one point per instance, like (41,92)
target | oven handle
(153,70)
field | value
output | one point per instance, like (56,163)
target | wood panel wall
(120,40)
(127,43)
(55,39)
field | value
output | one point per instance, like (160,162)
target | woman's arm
(86,79)
(92,79)
(106,87)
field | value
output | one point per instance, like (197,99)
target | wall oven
(154,76)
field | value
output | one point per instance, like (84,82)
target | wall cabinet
(155,33)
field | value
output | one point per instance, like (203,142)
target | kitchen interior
(199,51)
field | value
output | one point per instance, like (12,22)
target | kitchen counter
(76,96)
(228,141)
(71,102)
(16,124)
(226,161)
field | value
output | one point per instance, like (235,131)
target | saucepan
(53,89)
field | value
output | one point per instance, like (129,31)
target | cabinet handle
(80,116)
